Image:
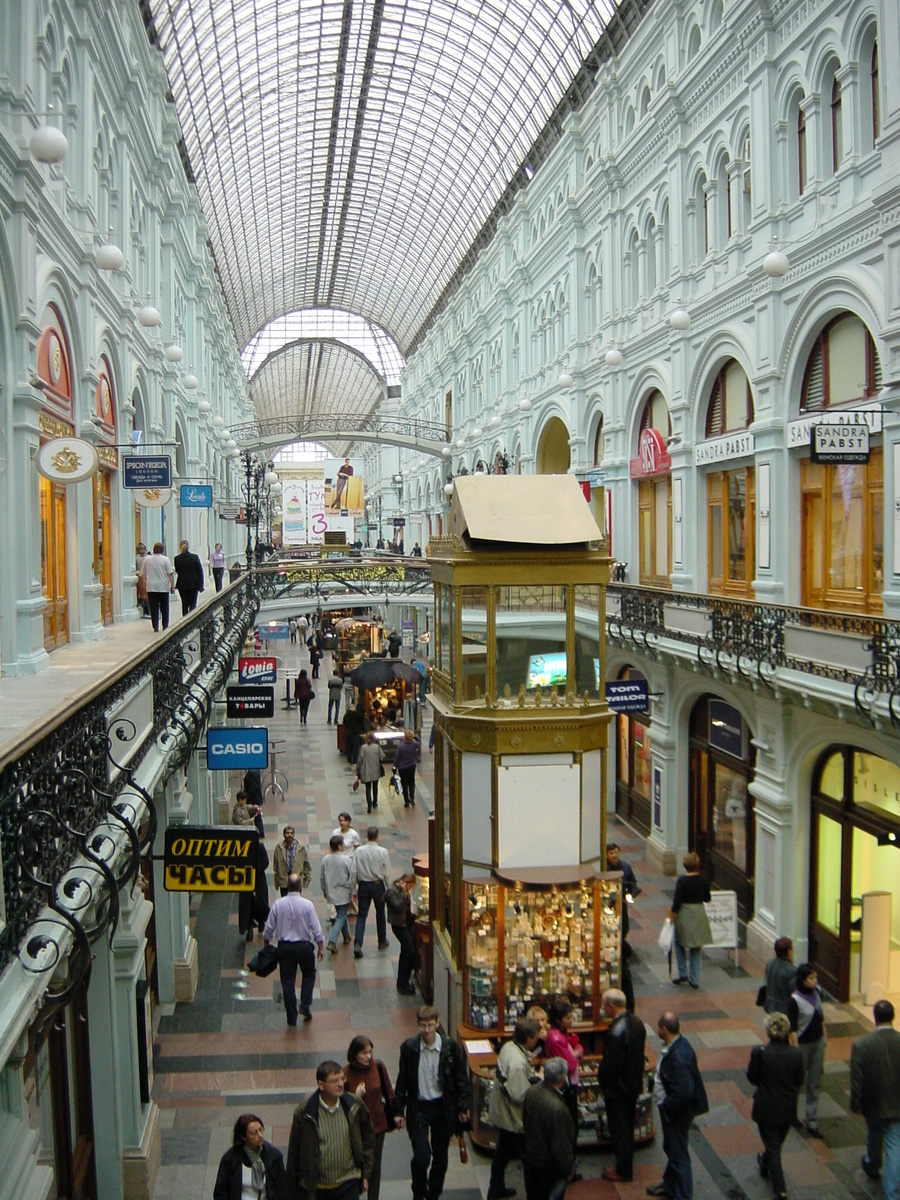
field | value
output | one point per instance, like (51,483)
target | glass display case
(422,931)
(530,944)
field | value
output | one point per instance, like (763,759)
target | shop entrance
(855,807)
(102,543)
(722,824)
(54,566)
(633,761)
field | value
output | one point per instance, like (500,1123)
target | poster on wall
(344,486)
(317,521)
(293,508)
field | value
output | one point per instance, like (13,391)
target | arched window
(730,402)
(693,48)
(843,366)
(876,106)
(652,468)
(731,493)
(837,127)
(598,443)
(801,149)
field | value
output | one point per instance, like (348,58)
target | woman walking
(303,693)
(692,929)
(807,1019)
(776,1071)
(405,758)
(781,977)
(368,769)
(252,1166)
(400,916)
(159,583)
(368,1080)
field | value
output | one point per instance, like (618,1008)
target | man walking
(681,1096)
(338,880)
(549,1134)
(335,691)
(373,873)
(432,1095)
(331,1150)
(292,921)
(290,858)
(513,1079)
(621,1077)
(875,1092)
(189,577)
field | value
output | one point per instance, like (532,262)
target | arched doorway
(55,420)
(553,454)
(721,808)
(854,841)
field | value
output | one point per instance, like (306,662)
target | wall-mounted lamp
(776,263)
(525,405)
(565,380)
(613,357)
(680,319)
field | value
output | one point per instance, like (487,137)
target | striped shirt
(336,1165)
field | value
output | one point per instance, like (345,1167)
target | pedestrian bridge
(295,585)
(428,437)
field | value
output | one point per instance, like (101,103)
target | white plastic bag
(667,933)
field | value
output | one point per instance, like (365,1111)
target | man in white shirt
(373,874)
(293,923)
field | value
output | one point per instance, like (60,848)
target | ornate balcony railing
(311,580)
(759,641)
(428,435)
(74,819)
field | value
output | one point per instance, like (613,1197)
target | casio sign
(228,749)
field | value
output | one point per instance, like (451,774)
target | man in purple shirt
(295,926)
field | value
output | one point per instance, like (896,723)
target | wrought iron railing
(312,580)
(73,826)
(757,641)
(251,434)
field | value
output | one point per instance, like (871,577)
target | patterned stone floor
(230,1051)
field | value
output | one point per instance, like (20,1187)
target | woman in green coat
(692,929)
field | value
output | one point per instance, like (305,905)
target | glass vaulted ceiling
(347,152)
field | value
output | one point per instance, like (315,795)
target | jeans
(159,607)
(340,923)
(773,1139)
(883,1136)
(371,892)
(334,710)
(372,795)
(430,1144)
(404,936)
(408,783)
(814,1065)
(304,710)
(292,955)
(681,953)
(620,1119)
(677,1177)
(510,1145)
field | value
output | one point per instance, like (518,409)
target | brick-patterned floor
(230,1051)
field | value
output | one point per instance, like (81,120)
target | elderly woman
(776,1071)
(252,1166)
(692,930)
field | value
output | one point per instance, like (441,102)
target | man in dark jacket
(621,1076)
(432,1094)
(875,1092)
(331,1150)
(776,1071)
(680,1095)
(189,578)
(549,1134)
(354,728)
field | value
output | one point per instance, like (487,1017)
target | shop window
(732,522)
(843,367)
(828,870)
(843,535)
(876,785)
(837,128)
(655,495)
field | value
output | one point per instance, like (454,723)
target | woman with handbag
(369,769)
(303,693)
(692,928)
(368,1080)
(252,1166)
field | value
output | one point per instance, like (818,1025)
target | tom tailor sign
(839,443)
(201,859)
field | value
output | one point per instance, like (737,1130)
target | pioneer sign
(210,859)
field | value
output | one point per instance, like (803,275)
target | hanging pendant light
(48,144)
(613,357)
(191,382)
(525,405)
(680,319)
(173,353)
(565,380)
(203,406)
(109,257)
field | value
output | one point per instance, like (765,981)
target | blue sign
(196,495)
(147,471)
(278,632)
(233,749)
(628,695)
(726,728)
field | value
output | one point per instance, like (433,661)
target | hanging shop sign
(399,522)
(798,432)
(279,633)
(198,858)
(839,444)
(237,749)
(152,497)
(628,696)
(726,729)
(67,460)
(257,670)
(147,471)
(653,458)
(230,512)
(196,495)
(250,701)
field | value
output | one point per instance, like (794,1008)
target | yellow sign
(210,859)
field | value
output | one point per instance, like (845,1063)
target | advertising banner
(200,858)
(316,520)
(275,632)
(257,670)
(344,491)
(237,749)
(293,509)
